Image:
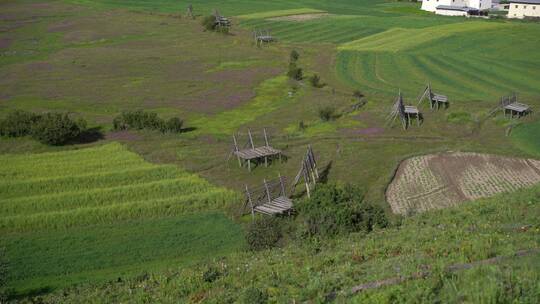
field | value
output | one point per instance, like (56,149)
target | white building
(455,7)
(524,8)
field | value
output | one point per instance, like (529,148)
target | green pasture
(100,213)
(312,270)
(527,137)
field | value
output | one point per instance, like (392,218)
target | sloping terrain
(73,208)
(443,180)
(322,271)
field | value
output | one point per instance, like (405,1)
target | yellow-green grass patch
(280,13)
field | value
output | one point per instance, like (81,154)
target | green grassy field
(64,214)
(310,271)
(527,137)
(97,58)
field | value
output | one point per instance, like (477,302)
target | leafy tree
(209,22)
(263,233)
(315,81)
(294,72)
(174,125)
(334,209)
(327,113)
(18,123)
(57,128)
(294,56)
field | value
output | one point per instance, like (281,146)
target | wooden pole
(249,165)
(267,191)
(236,150)
(282,184)
(250,202)
(265,137)
(251,139)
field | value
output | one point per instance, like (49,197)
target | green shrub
(18,123)
(253,295)
(315,81)
(139,120)
(209,22)
(294,72)
(263,233)
(358,94)
(334,209)
(57,128)
(294,56)
(211,274)
(174,125)
(327,113)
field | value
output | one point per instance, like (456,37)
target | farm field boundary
(447,179)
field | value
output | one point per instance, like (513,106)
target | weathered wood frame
(403,112)
(510,104)
(265,152)
(434,98)
(262,36)
(270,199)
(308,172)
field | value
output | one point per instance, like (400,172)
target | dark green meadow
(123,203)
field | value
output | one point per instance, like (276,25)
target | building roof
(458,8)
(525,1)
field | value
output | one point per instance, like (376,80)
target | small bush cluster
(209,23)
(48,128)
(315,81)
(211,274)
(334,209)
(264,233)
(253,295)
(327,113)
(139,120)
(294,71)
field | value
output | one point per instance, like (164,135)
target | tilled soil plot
(447,179)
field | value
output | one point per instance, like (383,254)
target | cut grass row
(311,271)
(42,260)
(457,65)
(103,212)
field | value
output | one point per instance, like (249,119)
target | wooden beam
(251,139)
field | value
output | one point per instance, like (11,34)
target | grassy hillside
(64,214)
(324,269)
(465,69)
(527,137)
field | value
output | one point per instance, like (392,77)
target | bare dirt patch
(442,180)
(301,17)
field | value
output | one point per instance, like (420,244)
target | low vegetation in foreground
(104,225)
(103,213)
(325,269)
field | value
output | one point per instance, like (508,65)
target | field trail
(447,179)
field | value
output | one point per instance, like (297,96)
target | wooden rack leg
(249,165)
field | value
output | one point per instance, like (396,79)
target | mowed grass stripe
(401,39)
(470,74)
(104,196)
(210,200)
(61,168)
(49,259)
(514,79)
(41,186)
